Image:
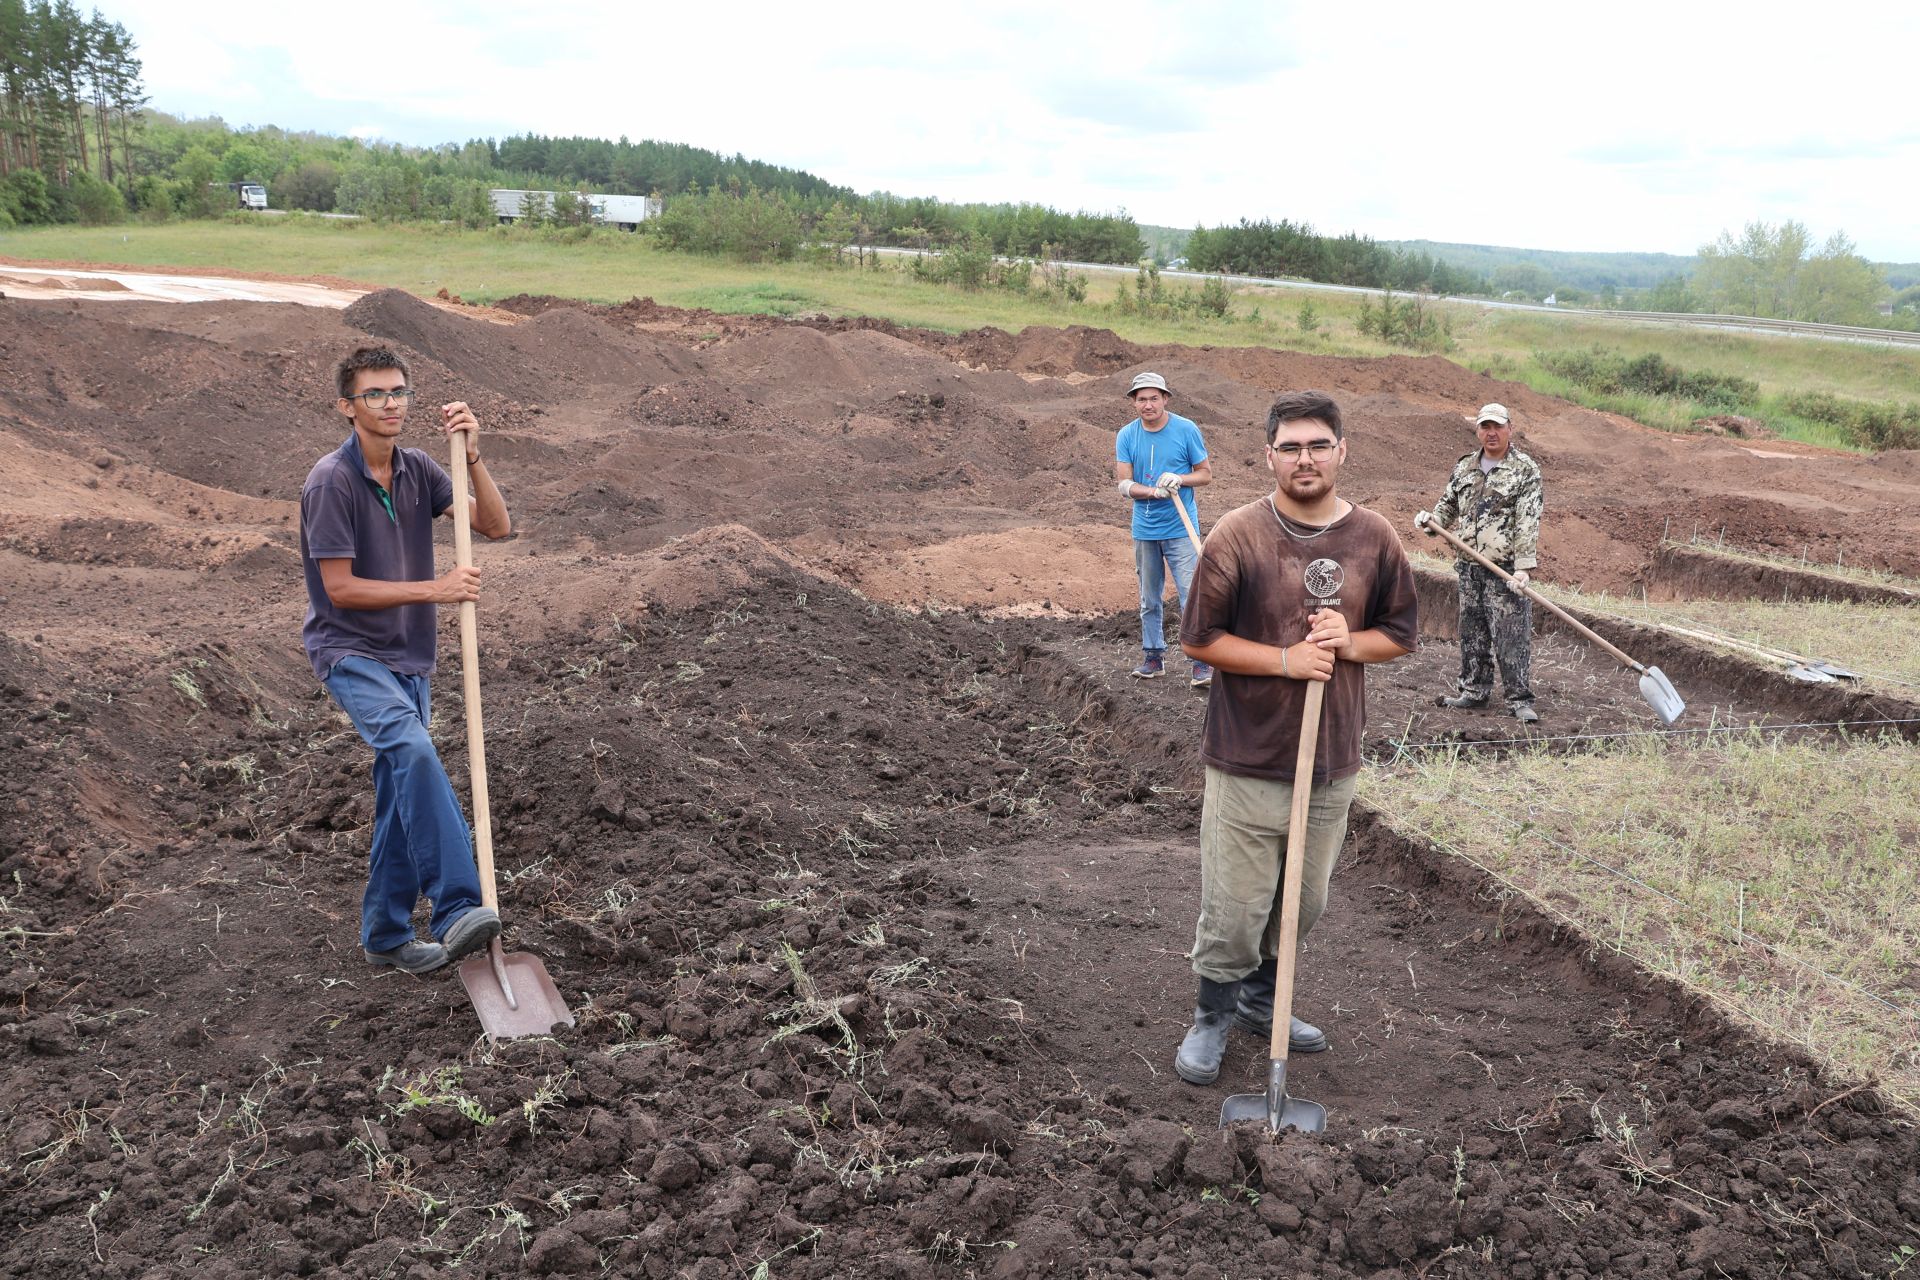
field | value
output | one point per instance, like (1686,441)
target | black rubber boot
(1198,1061)
(1253,1013)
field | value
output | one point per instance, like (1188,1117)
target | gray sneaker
(471,932)
(410,957)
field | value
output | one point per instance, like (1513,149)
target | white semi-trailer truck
(624,212)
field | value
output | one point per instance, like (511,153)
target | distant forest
(1589,271)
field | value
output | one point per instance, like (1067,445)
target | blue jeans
(1151,558)
(421,842)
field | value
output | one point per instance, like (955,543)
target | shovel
(512,994)
(1805,670)
(1274,1106)
(1654,685)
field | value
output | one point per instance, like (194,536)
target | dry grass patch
(1776,877)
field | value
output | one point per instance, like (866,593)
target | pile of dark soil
(775,849)
(873,920)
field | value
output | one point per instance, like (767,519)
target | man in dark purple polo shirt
(366,546)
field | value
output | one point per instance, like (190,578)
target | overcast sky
(1629,126)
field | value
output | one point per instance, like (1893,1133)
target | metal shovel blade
(512,994)
(1808,675)
(1274,1106)
(1833,672)
(1661,695)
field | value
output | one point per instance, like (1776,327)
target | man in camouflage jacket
(1492,503)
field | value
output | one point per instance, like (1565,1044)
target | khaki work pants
(1243,839)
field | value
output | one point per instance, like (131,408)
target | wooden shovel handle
(1296,857)
(470,676)
(1535,596)
(1193,534)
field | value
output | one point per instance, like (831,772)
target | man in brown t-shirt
(1301,585)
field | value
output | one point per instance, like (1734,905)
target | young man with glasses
(366,546)
(1492,503)
(1160,459)
(1301,585)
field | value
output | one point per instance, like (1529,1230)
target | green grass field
(607,266)
(1751,870)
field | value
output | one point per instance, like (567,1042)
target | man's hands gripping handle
(1516,581)
(1313,657)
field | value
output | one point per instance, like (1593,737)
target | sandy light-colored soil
(820,789)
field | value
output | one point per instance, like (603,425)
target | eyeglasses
(1319,450)
(379,396)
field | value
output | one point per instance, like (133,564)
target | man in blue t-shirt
(366,548)
(1159,459)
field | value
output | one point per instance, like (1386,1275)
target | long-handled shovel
(1654,685)
(1805,670)
(1193,534)
(512,994)
(1275,1106)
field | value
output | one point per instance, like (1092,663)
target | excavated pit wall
(1689,573)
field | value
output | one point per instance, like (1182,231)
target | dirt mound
(468,348)
(1074,349)
(555,354)
(1900,462)
(533,304)
(854,908)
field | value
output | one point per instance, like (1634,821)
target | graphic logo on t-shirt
(1324,578)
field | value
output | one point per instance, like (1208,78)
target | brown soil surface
(819,787)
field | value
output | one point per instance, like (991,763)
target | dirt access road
(867,872)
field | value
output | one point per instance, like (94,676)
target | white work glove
(1161,493)
(1518,582)
(1424,520)
(1169,481)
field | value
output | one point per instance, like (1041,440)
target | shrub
(1877,425)
(97,203)
(748,224)
(1612,373)
(1405,322)
(154,198)
(1151,297)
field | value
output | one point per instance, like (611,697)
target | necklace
(1288,524)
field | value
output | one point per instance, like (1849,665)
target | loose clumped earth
(819,788)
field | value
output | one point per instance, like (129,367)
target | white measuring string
(1632,879)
